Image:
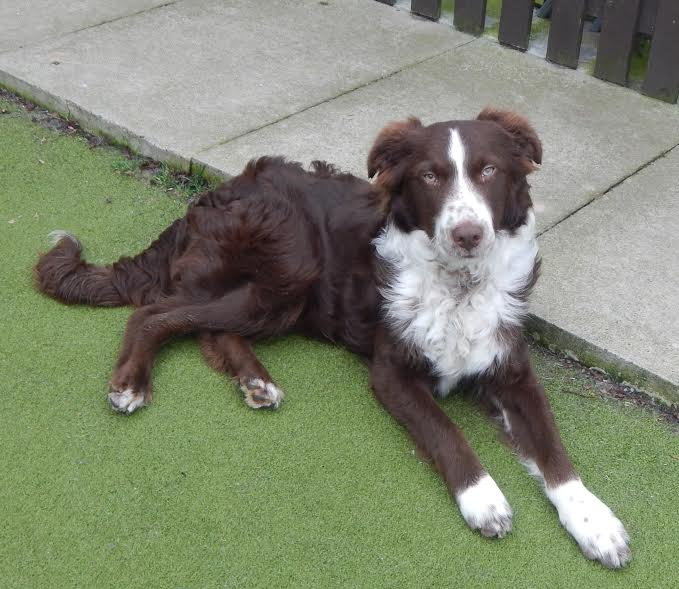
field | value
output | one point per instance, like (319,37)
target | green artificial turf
(200,491)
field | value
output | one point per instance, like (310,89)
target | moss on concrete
(590,355)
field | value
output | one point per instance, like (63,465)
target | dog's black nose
(467,235)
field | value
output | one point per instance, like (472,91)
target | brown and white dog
(425,272)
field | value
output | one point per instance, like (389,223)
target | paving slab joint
(92,26)
(336,96)
(613,186)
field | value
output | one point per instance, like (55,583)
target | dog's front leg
(407,397)
(528,422)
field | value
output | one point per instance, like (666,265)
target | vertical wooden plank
(430,9)
(565,32)
(595,7)
(662,74)
(616,42)
(470,16)
(646,22)
(649,9)
(515,20)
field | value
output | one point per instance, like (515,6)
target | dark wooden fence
(622,21)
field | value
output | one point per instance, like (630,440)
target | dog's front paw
(600,535)
(484,508)
(259,394)
(126,401)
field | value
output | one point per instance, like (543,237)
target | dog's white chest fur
(452,311)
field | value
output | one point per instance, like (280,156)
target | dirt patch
(602,384)
(51,120)
(174,181)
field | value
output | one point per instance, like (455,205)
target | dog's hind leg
(130,386)
(247,311)
(233,354)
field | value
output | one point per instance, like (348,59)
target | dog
(425,272)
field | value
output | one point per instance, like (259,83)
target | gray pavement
(215,83)
(587,149)
(183,77)
(611,277)
(24,22)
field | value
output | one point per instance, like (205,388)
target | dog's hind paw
(126,401)
(259,394)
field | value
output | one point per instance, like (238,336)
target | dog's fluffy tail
(62,273)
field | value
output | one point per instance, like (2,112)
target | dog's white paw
(484,508)
(259,394)
(600,535)
(126,401)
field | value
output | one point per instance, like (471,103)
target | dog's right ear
(391,150)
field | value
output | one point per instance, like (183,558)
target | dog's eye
(488,171)
(429,177)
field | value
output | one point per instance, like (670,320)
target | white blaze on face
(463,203)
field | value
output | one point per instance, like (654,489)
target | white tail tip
(57,235)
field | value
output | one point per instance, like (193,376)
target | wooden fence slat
(662,74)
(470,16)
(515,22)
(646,21)
(649,10)
(565,33)
(430,9)
(616,42)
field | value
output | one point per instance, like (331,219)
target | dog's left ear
(524,136)
(390,153)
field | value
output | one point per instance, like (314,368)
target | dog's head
(459,181)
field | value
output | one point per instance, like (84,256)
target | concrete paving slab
(594,133)
(610,282)
(178,79)
(29,21)
(221,82)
